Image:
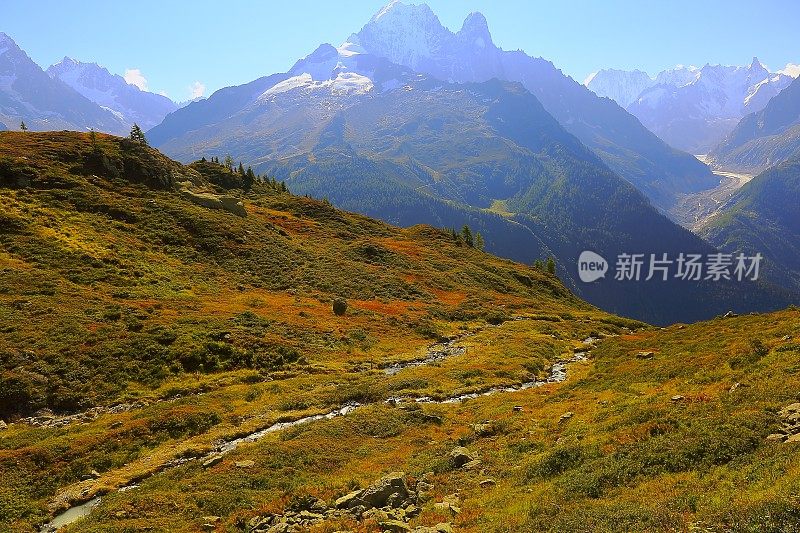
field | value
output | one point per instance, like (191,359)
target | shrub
(339,307)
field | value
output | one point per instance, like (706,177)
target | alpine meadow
(363,267)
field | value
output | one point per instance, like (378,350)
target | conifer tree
(93,139)
(137,135)
(479,241)
(249,179)
(241,169)
(466,234)
(229,162)
(551,266)
(22,126)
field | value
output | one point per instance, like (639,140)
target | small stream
(436,353)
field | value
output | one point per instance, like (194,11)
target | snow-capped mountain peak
(405,34)
(693,109)
(112,92)
(620,85)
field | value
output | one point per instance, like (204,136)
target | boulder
(390,490)
(487,483)
(395,526)
(485,429)
(645,355)
(348,500)
(450,503)
(472,465)
(460,456)
(443,527)
(3,425)
(213,201)
(211,461)
(677,398)
(566,416)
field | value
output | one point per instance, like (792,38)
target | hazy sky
(185,47)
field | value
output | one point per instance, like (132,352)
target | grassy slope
(764,217)
(116,289)
(182,284)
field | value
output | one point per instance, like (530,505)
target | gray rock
(645,355)
(211,461)
(394,526)
(566,416)
(348,500)
(472,465)
(487,483)
(391,490)
(460,456)
(3,425)
(213,201)
(424,485)
(485,429)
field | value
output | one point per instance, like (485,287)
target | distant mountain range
(691,108)
(768,137)
(110,91)
(72,95)
(29,94)
(385,140)
(413,36)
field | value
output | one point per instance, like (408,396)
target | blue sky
(181,47)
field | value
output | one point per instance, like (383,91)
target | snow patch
(344,83)
(351,83)
(295,82)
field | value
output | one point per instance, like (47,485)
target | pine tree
(203,159)
(137,135)
(479,241)
(466,234)
(249,179)
(93,139)
(229,162)
(551,266)
(22,126)
(241,169)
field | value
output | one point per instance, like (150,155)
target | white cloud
(791,70)
(133,76)
(197,90)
